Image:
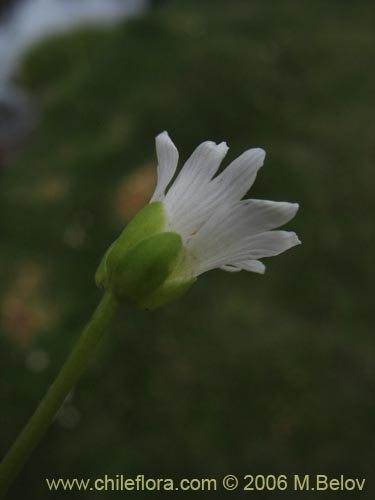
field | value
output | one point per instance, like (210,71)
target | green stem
(52,401)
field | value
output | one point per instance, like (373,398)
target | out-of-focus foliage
(246,373)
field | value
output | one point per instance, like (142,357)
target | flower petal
(238,177)
(246,217)
(241,233)
(230,269)
(252,217)
(190,186)
(266,244)
(199,169)
(167,154)
(255,266)
(229,186)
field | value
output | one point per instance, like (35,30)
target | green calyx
(145,264)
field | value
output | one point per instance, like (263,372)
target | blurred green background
(247,374)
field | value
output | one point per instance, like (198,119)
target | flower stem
(61,387)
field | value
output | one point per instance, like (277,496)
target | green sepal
(169,291)
(146,266)
(150,220)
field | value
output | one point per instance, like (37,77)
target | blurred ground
(246,374)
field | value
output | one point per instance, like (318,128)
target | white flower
(194,223)
(220,229)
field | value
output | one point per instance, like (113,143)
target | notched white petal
(224,250)
(240,174)
(228,187)
(263,215)
(255,266)
(198,169)
(271,243)
(230,269)
(189,190)
(229,226)
(167,155)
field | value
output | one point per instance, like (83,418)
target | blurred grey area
(16,120)
(26,22)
